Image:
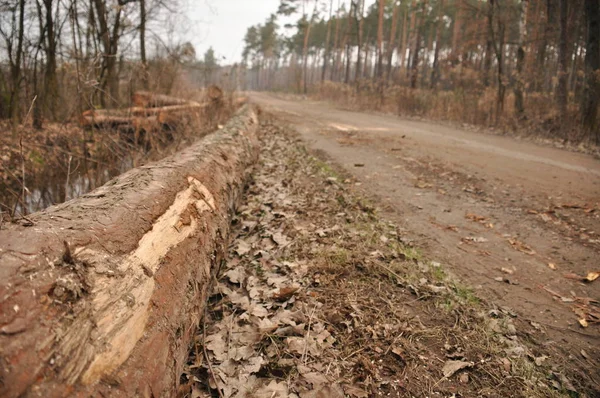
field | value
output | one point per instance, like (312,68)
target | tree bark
(359,12)
(379,72)
(404,38)
(16,67)
(519,82)
(435,69)
(498,45)
(392,42)
(417,46)
(591,99)
(113,286)
(143,44)
(563,62)
(110,79)
(327,55)
(51,95)
(457,31)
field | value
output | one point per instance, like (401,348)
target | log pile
(101,296)
(152,110)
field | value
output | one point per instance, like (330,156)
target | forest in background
(61,60)
(61,57)
(527,65)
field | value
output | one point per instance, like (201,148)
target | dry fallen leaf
(474,239)
(552,266)
(216,344)
(236,275)
(592,276)
(583,322)
(451,367)
(242,248)
(355,392)
(475,217)
(522,247)
(285,293)
(506,364)
(280,239)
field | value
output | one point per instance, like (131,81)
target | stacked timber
(152,110)
(102,295)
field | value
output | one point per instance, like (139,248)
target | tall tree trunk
(411,37)
(305,48)
(457,31)
(336,45)
(541,82)
(143,44)
(347,45)
(392,42)
(416,45)
(404,38)
(498,44)
(50,96)
(591,99)
(16,67)
(519,83)
(359,11)
(109,81)
(379,72)
(365,62)
(563,62)
(435,69)
(327,53)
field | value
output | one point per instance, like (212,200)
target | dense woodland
(518,64)
(59,57)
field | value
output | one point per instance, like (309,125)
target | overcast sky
(222,24)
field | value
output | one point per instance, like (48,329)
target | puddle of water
(53,187)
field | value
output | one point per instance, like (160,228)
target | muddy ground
(323,295)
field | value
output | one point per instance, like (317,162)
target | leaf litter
(313,302)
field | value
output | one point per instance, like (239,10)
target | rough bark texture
(592,68)
(562,94)
(102,295)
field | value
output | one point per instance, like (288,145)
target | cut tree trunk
(111,118)
(147,99)
(102,295)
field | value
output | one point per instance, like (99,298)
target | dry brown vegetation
(43,167)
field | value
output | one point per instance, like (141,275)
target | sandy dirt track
(514,220)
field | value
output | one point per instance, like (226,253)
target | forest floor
(327,294)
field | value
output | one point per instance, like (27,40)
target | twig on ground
(305,353)
(390,271)
(212,372)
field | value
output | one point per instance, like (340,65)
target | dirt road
(515,221)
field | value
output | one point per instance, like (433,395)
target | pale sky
(222,24)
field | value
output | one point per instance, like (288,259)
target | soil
(323,296)
(517,222)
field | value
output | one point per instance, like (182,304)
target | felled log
(239,101)
(103,294)
(146,99)
(108,118)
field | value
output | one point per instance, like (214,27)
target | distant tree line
(526,54)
